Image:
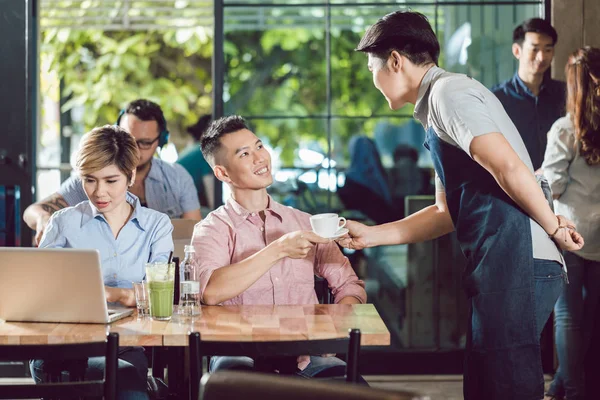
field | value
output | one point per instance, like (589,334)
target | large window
(290,68)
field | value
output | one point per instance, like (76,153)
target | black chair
(225,385)
(324,295)
(349,345)
(64,354)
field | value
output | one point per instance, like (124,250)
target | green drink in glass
(161,284)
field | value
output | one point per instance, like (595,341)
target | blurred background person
(193,161)
(532,99)
(572,166)
(406,178)
(366,188)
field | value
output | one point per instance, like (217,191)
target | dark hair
(583,101)
(147,111)
(407,32)
(200,126)
(405,151)
(536,25)
(210,142)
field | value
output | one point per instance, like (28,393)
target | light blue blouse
(146,237)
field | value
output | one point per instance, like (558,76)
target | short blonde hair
(108,145)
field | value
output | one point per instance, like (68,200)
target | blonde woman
(572,166)
(126,234)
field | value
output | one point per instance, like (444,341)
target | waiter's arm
(493,152)
(428,223)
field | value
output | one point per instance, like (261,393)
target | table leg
(178,389)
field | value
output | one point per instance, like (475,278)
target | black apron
(502,355)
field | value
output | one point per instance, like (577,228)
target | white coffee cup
(326,225)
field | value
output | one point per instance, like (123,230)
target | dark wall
(19,76)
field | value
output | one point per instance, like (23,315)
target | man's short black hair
(535,25)
(200,126)
(407,32)
(210,143)
(146,110)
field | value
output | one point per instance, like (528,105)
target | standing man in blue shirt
(531,98)
(161,186)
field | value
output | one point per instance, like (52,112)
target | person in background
(253,250)
(406,178)
(572,166)
(531,98)
(126,234)
(193,161)
(161,186)
(486,191)
(366,187)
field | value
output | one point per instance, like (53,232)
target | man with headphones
(159,185)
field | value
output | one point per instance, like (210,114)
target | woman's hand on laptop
(120,295)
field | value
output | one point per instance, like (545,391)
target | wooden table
(235,323)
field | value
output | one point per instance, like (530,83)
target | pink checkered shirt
(231,234)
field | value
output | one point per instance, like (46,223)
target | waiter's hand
(356,238)
(567,238)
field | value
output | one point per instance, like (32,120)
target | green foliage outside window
(103,71)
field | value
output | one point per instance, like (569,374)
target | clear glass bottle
(189,288)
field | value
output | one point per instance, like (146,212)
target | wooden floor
(430,387)
(433,387)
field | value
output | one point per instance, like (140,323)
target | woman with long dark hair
(572,166)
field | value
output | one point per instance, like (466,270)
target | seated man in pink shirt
(253,250)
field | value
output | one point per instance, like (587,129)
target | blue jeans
(318,366)
(574,321)
(131,375)
(549,279)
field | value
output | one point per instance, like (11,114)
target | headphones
(163,137)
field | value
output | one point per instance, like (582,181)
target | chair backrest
(63,354)
(224,385)
(349,345)
(324,295)
(183,228)
(179,247)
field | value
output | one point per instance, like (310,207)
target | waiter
(487,192)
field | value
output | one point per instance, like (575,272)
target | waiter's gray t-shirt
(459,108)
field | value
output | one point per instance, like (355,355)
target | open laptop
(54,285)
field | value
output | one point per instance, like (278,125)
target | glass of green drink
(161,283)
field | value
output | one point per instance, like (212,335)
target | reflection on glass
(275,61)
(477,39)
(48,181)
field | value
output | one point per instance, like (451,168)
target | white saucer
(339,233)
